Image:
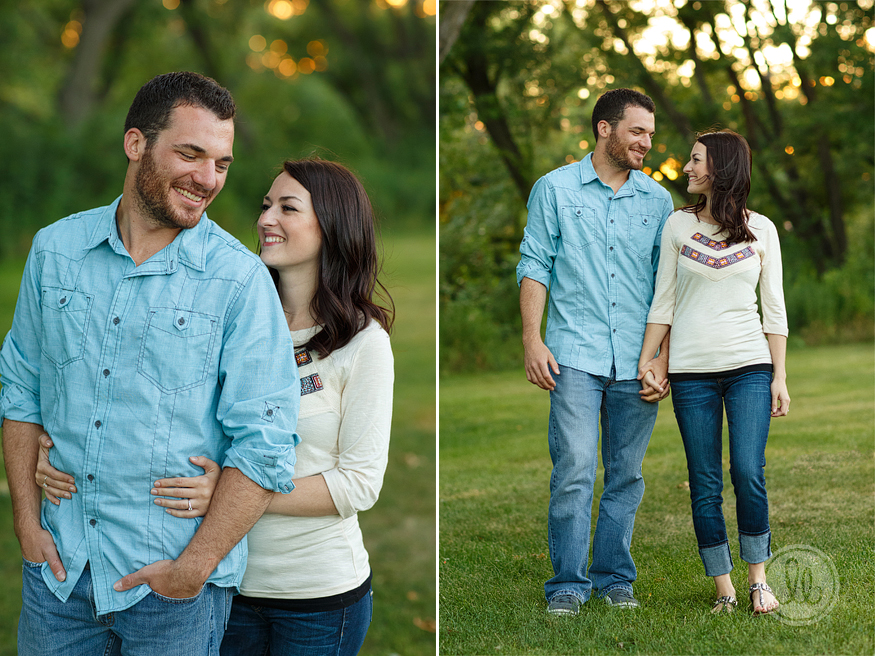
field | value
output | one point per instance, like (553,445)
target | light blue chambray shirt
(131,370)
(597,253)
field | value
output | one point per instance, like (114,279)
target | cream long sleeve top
(346,414)
(706,292)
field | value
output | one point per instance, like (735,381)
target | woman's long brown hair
(729,166)
(349,265)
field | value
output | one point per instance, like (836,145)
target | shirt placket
(100,422)
(613,271)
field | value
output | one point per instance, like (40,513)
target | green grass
(494,489)
(399,531)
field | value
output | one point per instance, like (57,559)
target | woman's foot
(762,599)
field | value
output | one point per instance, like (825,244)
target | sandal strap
(726,601)
(759,586)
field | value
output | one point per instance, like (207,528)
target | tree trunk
(452,17)
(80,89)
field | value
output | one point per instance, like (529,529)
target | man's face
(630,141)
(184,168)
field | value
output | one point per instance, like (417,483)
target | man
(144,334)
(592,238)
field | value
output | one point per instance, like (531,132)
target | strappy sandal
(725,604)
(761,587)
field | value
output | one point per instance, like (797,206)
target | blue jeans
(154,625)
(260,631)
(698,406)
(576,405)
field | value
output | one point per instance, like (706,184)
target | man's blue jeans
(154,625)
(576,405)
(257,630)
(698,406)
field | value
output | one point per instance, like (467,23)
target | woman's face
(288,228)
(698,175)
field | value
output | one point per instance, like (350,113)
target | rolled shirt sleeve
(20,354)
(261,393)
(540,238)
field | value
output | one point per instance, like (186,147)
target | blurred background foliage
(517,83)
(351,80)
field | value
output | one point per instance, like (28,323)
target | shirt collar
(189,247)
(634,184)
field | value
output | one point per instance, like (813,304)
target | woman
(713,255)
(307,586)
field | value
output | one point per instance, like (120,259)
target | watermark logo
(805,581)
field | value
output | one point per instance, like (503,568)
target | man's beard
(618,154)
(153,197)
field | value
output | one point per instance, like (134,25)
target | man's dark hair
(150,111)
(612,104)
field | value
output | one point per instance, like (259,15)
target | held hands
(539,363)
(653,375)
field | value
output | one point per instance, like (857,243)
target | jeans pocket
(176,348)
(177,600)
(30,564)
(65,315)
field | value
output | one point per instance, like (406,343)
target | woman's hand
(192,495)
(780,398)
(57,484)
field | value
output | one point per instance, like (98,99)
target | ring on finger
(189,505)
(45,478)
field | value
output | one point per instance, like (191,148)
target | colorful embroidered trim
(711,243)
(310,384)
(717,262)
(302,356)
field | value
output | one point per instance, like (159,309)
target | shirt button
(116,320)
(97,424)
(93,522)
(105,373)
(612,275)
(269,413)
(90,477)
(613,305)
(615,330)
(181,321)
(612,248)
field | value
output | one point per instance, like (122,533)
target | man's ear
(604,129)
(135,144)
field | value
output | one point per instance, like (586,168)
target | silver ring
(189,504)
(45,478)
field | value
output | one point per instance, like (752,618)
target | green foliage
(494,481)
(54,163)
(809,122)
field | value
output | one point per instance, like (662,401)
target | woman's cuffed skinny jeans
(698,406)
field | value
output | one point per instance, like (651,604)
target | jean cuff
(755,548)
(581,597)
(717,560)
(615,586)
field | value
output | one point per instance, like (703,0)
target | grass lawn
(494,488)
(400,530)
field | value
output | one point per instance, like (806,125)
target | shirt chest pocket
(176,349)
(577,225)
(642,233)
(65,315)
